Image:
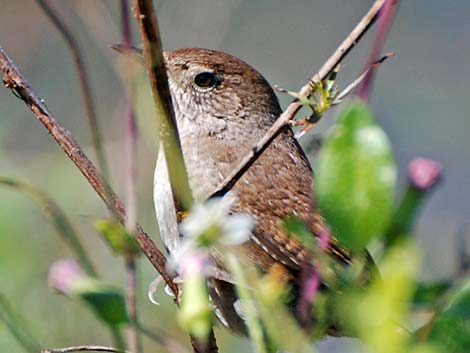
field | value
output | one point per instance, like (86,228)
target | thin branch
(282,122)
(134,339)
(385,22)
(57,217)
(154,62)
(17,327)
(87,348)
(360,79)
(14,80)
(131,123)
(85,87)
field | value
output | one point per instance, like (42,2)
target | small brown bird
(223,107)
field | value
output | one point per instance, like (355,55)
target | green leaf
(451,328)
(355,178)
(117,237)
(105,300)
(281,327)
(428,294)
(379,312)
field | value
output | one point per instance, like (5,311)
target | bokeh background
(420,98)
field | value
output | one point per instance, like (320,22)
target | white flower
(208,224)
(211,224)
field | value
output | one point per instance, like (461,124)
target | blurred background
(420,99)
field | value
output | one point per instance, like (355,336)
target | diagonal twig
(11,320)
(14,80)
(58,219)
(289,114)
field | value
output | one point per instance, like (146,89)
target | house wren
(223,107)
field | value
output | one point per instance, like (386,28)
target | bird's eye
(205,79)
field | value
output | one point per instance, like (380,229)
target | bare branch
(15,81)
(289,114)
(87,348)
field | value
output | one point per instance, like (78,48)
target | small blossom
(208,224)
(211,223)
(424,173)
(63,274)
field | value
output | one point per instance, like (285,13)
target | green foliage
(117,237)
(195,314)
(428,294)
(106,301)
(451,327)
(378,313)
(283,330)
(355,178)
(253,321)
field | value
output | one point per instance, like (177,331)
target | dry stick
(289,114)
(88,348)
(85,87)
(154,62)
(13,79)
